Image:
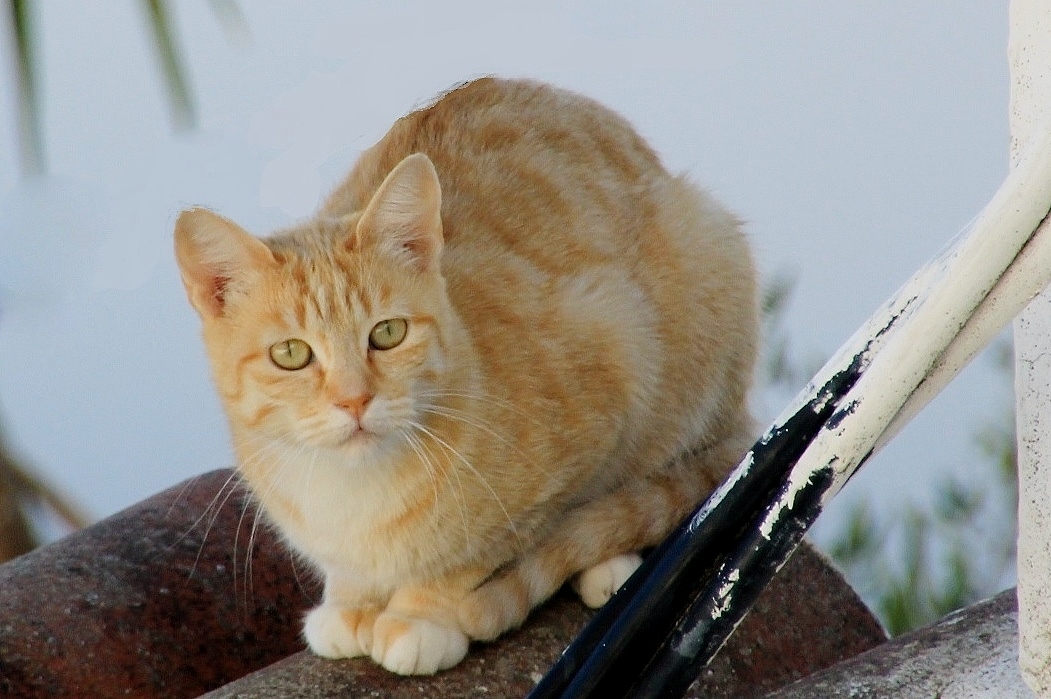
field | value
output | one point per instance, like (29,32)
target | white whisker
(478,423)
(480,398)
(477,474)
(211,510)
(427,457)
(262,456)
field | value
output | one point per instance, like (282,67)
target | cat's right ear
(404,216)
(216,259)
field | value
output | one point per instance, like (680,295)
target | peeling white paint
(720,493)
(725,595)
(797,481)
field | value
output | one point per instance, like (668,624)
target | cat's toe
(598,583)
(339,632)
(411,646)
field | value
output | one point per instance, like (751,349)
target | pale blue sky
(854,138)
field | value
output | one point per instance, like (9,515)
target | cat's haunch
(510,350)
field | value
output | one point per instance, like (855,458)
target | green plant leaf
(180,101)
(31,145)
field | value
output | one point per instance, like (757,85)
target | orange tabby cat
(509,350)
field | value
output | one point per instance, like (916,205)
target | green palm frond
(231,19)
(31,145)
(180,101)
(180,97)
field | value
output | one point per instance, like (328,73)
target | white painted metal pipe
(916,343)
(1029,52)
(967,294)
(973,297)
(938,320)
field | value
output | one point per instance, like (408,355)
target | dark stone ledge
(971,653)
(160,600)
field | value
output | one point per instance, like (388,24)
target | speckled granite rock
(160,600)
(154,601)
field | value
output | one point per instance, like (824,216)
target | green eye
(291,354)
(388,334)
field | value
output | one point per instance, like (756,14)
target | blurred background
(855,139)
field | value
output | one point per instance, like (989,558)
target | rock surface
(970,654)
(182,594)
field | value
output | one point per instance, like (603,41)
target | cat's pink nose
(355,405)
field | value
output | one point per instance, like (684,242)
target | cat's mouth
(356,434)
(356,437)
(342,437)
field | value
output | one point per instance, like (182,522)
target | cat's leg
(341,626)
(504,602)
(600,540)
(418,633)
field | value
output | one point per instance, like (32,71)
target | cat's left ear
(217,260)
(404,216)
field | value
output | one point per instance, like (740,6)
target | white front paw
(332,632)
(411,646)
(598,583)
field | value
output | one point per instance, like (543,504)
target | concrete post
(1029,51)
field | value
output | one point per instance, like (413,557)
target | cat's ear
(216,259)
(404,216)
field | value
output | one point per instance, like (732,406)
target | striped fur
(581,331)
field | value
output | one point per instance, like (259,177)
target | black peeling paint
(894,319)
(714,613)
(842,413)
(614,650)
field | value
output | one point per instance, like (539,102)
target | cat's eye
(291,354)
(388,334)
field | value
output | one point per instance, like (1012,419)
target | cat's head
(332,335)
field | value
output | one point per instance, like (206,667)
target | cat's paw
(339,632)
(412,646)
(493,609)
(598,583)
